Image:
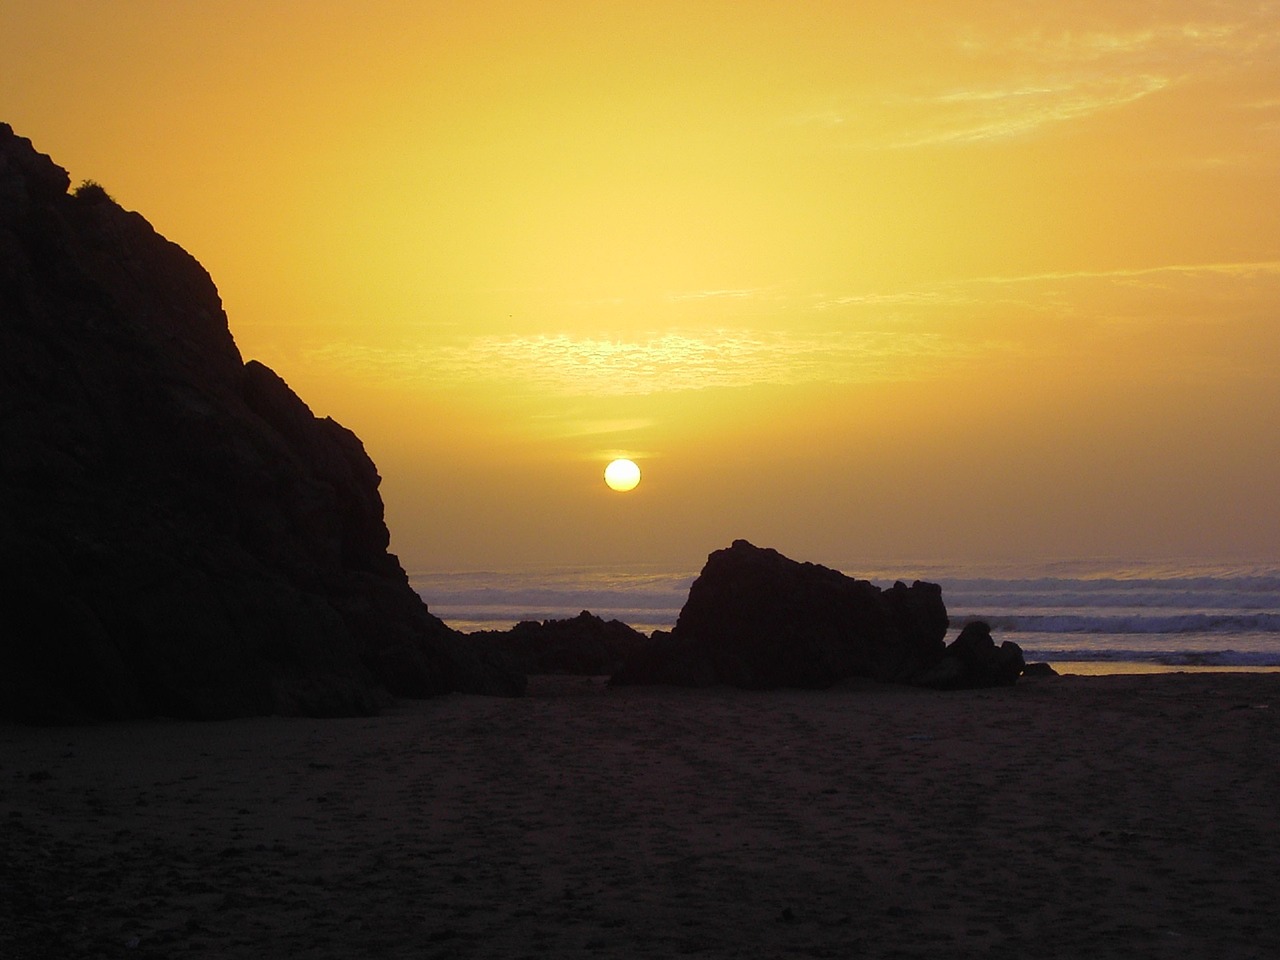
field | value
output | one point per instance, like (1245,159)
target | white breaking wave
(1219,623)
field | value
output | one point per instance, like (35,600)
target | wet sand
(1078,817)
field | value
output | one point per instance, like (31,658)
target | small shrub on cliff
(91,193)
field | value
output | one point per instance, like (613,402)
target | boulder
(759,620)
(180,534)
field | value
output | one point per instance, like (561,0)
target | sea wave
(1206,598)
(1178,623)
(560,589)
(1185,615)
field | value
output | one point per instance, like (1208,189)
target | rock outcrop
(585,644)
(972,660)
(759,620)
(179,534)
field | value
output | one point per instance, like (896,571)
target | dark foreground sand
(1080,817)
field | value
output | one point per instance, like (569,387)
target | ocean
(1080,616)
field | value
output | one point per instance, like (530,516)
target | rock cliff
(180,535)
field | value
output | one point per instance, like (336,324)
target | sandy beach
(1073,817)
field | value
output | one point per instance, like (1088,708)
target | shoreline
(1102,816)
(1158,661)
(1135,668)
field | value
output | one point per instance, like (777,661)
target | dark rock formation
(974,660)
(179,534)
(585,644)
(758,620)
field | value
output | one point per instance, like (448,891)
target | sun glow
(622,475)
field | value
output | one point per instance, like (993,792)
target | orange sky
(860,281)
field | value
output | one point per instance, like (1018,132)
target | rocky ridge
(586,644)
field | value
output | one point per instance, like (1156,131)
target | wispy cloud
(1179,288)
(661,363)
(1248,268)
(568,427)
(745,293)
(679,361)
(864,337)
(994,113)
(1054,76)
(1241,32)
(907,298)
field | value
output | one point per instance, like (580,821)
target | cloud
(569,427)
(1055,76)
(908,298)
(1242,33)
(667,362)
(680,361)
(746,293)
(994,113)
(865,337)
(1245,269)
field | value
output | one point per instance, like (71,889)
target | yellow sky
(855,280)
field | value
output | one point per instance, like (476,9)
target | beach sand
(1074,817)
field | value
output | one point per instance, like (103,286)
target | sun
(622,475)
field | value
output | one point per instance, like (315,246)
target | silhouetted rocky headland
(179,534)
(758,620)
